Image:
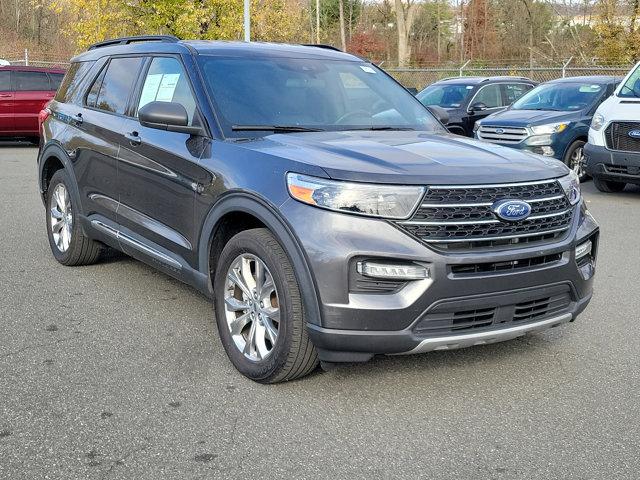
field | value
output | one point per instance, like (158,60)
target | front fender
(268,214)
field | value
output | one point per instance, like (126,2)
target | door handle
(77,119)
(134,138)
(5,95)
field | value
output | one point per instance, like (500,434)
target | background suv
(468,99)
(552,119)
(325,211)
(23,93)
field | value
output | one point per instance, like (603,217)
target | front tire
(608,186)
(68,243)
(259,310)
(574,159)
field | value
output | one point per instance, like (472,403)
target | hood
(408,157)
(620,109)
(524,118)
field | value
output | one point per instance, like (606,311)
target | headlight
(571,186)
(597,121)
(388,201)
(549,128)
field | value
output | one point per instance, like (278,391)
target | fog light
(392,270)
(547,151)
(583,249)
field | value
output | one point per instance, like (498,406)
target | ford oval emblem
(634,133)
(511,210)
(500,131)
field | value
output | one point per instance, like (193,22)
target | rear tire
(69,245)
(608,186)
(259,312)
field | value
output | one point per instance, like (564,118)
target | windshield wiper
(375,128)
(274,128)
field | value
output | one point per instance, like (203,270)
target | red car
(23,93)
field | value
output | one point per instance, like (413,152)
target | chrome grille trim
(508,135)
(485,204)
(482,222)
(504,237)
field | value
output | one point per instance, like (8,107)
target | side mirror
(440,113)
(413,91)
(168,116)
(477,107)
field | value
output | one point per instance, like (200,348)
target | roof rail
(321,45)
(140,38)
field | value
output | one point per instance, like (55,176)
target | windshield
(303,93)
(631,87)
(561,97)
(445,96)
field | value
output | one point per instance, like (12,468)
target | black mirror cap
(168,116)
(440,113)
(412,90)
(477,107)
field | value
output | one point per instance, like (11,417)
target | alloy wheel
(252,307)
(576,162)
(61,217)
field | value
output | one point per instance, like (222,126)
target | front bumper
(355,325)
(600,162)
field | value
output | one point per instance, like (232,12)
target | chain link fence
(419,78)
(24,58)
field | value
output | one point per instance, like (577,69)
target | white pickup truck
(612,155)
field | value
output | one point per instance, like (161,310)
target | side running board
(132,242)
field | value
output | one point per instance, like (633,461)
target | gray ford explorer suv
(328,215)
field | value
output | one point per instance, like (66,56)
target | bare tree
(405,15)
(343,35)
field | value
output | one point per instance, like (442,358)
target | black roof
(478,80)
(167,44)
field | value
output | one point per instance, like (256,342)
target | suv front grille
(461,216)
(507,135)
(617,136)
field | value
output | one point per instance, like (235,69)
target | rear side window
(117,84)
(76,73)
(513,91)
(5,81)
(31,81)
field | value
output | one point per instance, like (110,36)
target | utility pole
(247,21)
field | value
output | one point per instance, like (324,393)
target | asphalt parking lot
(116,371)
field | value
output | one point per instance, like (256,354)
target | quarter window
(166,81)
(31,81)
(119,79)
(76,73)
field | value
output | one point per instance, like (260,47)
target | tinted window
(513,91)
(489,95)
(117,84)
(29,81)
(5,81)
(445,96)
(561,96)
(76,73)
(56,80)
(322,94)
(166,81)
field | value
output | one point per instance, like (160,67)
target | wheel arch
(52,158)
(240,211)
